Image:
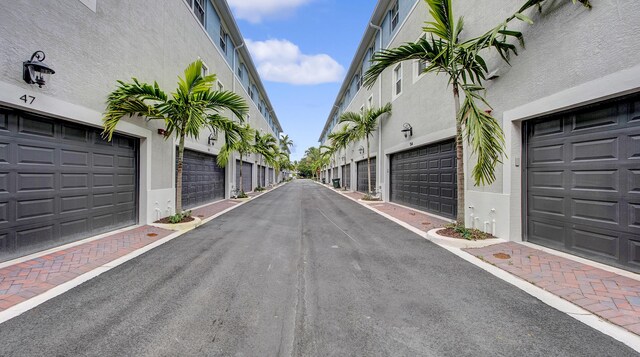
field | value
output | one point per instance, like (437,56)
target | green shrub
(178,217)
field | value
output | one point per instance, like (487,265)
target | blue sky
(287,38)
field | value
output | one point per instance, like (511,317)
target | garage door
(583,182)
(247,176)
(272,178)
(346,176)
(60,182)
(202,179)
(363,185)
(261,176)
(425,178)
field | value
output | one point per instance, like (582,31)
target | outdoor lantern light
(212,138)
(361,150)
(407,131)
(344,158)
(35,71)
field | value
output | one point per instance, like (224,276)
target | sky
(302,49)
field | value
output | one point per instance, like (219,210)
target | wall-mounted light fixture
(407,130)
(361,150)
(162,132)
(211,140)
(35,71)
(344,159)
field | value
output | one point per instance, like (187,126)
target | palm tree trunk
(459,158)
(368,166)
(179,175)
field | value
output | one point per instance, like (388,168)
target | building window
(251,91)
(420,65)
(204,71)
(397,80)
(220,86)
(358,81)
(199,10)
(240,71)
(370,102)
(394,16)
(223,40)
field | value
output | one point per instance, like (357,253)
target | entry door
(583,182)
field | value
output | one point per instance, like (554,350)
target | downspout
(379,158)
(233,89)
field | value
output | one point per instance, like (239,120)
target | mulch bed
(452,233)
(166,220)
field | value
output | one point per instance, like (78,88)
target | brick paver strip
(613,297)
(22,281)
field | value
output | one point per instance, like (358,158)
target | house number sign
(28,99)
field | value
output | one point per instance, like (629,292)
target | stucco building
(59,180)
(569,108)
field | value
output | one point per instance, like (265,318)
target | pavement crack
(337,226)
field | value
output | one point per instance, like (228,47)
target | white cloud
(282,61)
(255,10)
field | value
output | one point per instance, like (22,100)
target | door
(346,174)
(363,176)
(425,178)
(272,178)
(582,182)
(247,176)
(202,179)
(61,182)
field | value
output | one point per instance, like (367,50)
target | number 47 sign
(28,99)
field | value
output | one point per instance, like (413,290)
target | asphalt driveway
(299,271)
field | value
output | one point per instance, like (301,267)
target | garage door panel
(363,175)
(36,126)
(594,193)
(202,179)
(598,242)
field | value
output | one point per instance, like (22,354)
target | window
(251,92)
(260,106)
(358,81)
(205,70)
(397,80)
(241,71)
(198,10)
(223,40)
(220,86)
(394,16)
(370,102)
(420,65)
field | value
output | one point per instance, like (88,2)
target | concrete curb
(628,338)
(27,305)
(179,226)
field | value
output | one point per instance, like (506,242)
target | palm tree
(340,139)
(243,146)
(316,159)
(193,107)
(360,126)
(285,143)
(444,52)
(267,147)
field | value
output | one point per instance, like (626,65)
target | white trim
(91,4)
(610,86)
(423,140)
(417,75)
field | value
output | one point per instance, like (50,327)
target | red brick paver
(609,295)
(417,219)
(213,209)
(22,281)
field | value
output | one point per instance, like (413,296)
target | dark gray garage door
(262,176)
(60,182)
(247,176)
(425,178)
(346,176)
(202,179)
(272,178)
(363,185)
(583,182)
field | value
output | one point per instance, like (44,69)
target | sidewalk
(26,279)
(608,295)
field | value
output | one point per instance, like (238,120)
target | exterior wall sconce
(211,140)
(162,132)
(35,71)
(344,159)
(361,150)
(407,131)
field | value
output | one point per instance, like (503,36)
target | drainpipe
(379,160)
